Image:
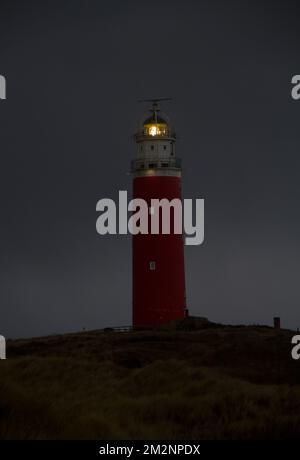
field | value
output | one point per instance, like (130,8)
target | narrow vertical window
(152,265)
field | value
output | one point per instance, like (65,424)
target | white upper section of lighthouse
(155,145)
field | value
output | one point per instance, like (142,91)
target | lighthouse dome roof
(155,118)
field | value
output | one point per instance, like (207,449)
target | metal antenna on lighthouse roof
(156,101)
(155,104)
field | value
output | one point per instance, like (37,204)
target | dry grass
(221,383)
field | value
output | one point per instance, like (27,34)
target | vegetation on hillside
(214,383)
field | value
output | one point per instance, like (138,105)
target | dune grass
(152,385)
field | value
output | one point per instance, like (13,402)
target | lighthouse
(157,259)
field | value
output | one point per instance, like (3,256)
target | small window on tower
(152,147)
(152,265)
(165,147)
(141,148)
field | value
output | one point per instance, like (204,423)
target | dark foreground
(215,383)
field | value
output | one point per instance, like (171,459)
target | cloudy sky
(74,71)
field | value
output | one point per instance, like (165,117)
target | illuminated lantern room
(155,126)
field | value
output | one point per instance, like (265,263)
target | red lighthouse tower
(158,259)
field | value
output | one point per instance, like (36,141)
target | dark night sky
(74,71)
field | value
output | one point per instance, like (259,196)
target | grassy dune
(219,383)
